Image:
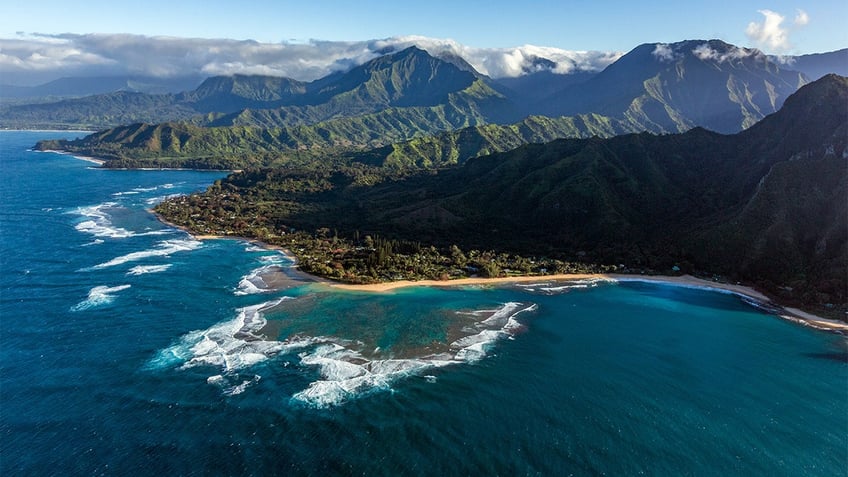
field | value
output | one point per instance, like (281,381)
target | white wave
(252,283)
(93,242)
(97,296)
(232,345)
(130,192)
(501,324)
(145,269)
(274,259)
(344,373)
(162,249)
(157,199)
(100,223)
(229,389)
(553,288)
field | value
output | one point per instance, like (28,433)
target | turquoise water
(130,348)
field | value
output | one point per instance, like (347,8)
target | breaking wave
(344,372)
(162,249)
(99,223)
(145,269)
(98,296)
(555,288)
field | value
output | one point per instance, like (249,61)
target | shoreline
(102,163)
(293,271)
(99,162)
(755,298)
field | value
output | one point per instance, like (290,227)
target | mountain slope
(84,86)
(407,79)
(767,206)
(675,87)
(820,64)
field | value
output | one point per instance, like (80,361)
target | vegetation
(239,147)
(694,83)
(767,206)
(410,93)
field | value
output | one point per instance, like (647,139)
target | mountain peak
(816,110)
(716,51)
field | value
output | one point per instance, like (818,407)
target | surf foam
(252,283)
(99,223)
(162,249)
(145,269)
(97,296)
(344,372)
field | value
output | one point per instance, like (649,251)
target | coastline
(102,162)
(99,162)
(754,297)
(292,271)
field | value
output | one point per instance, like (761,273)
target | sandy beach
(756,298)
(791,314)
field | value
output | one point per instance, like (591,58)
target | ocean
(129,348)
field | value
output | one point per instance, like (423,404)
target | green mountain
(767,205)
(238,147)
(655,87)
(407,79)
(678,86)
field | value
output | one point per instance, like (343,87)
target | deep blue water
(126,347)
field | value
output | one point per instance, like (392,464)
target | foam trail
(232,345)
(344,373)
(100,295)
(145,269)
(553,288)
(501,324)
(252,283)
(100,223)
(157,199)
(164,248)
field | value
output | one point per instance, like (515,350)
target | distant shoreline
(52,130)
(76,156)
(102,162)
(756,298)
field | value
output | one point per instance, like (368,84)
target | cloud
(510,62)
(771,34)
(705,52)
(663,52)
(29,59)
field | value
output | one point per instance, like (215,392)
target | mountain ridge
(667,104)
(699,201)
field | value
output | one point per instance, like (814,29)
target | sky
(31,32)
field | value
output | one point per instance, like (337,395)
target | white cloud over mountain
(30,59)
(771,32)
